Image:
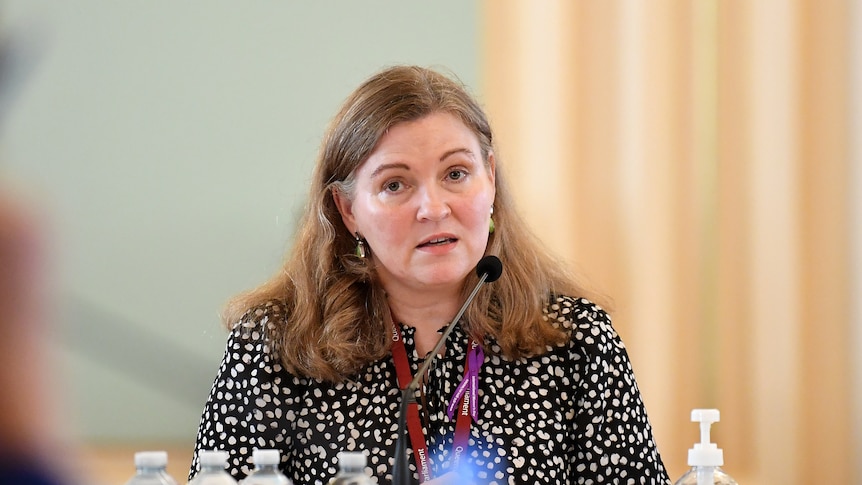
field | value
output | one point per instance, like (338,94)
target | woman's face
(423,202)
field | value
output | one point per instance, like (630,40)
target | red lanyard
(465,398)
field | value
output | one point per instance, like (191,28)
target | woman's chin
(444,277)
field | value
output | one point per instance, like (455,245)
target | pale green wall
(172,142)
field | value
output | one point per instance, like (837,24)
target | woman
(406,198)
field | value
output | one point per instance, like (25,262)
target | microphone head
(491,266)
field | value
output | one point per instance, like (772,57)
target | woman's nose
(433,204)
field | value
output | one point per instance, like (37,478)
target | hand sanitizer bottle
(705,458)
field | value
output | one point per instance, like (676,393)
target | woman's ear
(345,208)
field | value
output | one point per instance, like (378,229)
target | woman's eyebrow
(387,166)
(400,165)
(454,151)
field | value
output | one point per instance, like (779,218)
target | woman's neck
(426,313)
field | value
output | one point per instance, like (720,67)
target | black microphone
(489,270)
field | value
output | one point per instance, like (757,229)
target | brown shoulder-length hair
(335,318)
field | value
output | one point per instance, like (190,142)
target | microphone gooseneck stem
(400,468)
(414,384)
(408,395)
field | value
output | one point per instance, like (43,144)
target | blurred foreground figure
(29,436)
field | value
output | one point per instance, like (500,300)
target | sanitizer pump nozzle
(705,453)
(705,457)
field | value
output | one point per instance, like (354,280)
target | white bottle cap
(266,457)
(705,453)
(351,460)
(213,458)
(151,459)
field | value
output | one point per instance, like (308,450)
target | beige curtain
(691,160)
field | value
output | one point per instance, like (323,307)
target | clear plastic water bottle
(705,458)
(151,469)
(266,470)
(351,469)
(213,464)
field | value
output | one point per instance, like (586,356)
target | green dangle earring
(361,252)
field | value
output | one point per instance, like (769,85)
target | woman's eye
(456,174)
(393,186)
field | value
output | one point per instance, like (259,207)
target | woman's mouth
(440,241)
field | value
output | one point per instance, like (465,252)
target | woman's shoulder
(259,322)
(569,311)
(586,322)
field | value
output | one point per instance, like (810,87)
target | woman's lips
(438,241)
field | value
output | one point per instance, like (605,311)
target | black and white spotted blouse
(572,415)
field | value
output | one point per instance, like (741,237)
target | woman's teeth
(437,242)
